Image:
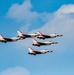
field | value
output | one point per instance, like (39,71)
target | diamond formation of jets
(39,35)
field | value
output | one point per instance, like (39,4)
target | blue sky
(30,16)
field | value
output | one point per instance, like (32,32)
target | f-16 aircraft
(43,36)
(37,43)
(23,36)
(33,52)
(3,39)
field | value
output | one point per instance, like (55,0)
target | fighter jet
(3,39)
(37,43)
(33,52)
(43,36)
(23,36)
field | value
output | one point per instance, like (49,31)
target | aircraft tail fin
(30,49)
(39,33)
(1,37)
(19,33)
(35,41)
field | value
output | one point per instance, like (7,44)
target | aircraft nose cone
(51,51)
(61,35)
(56,43)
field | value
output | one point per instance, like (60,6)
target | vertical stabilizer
(39,33)
(19,33)
(35,41)
(1,37)
(30,49)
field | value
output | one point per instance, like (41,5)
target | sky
(30,16)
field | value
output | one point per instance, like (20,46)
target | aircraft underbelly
(28,36)
(7,39)
(43,44)
(38,52)
(47,37)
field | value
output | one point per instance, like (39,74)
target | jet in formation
(34,52)
(44,36)
(37,43)
(23,36)
(3,39)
